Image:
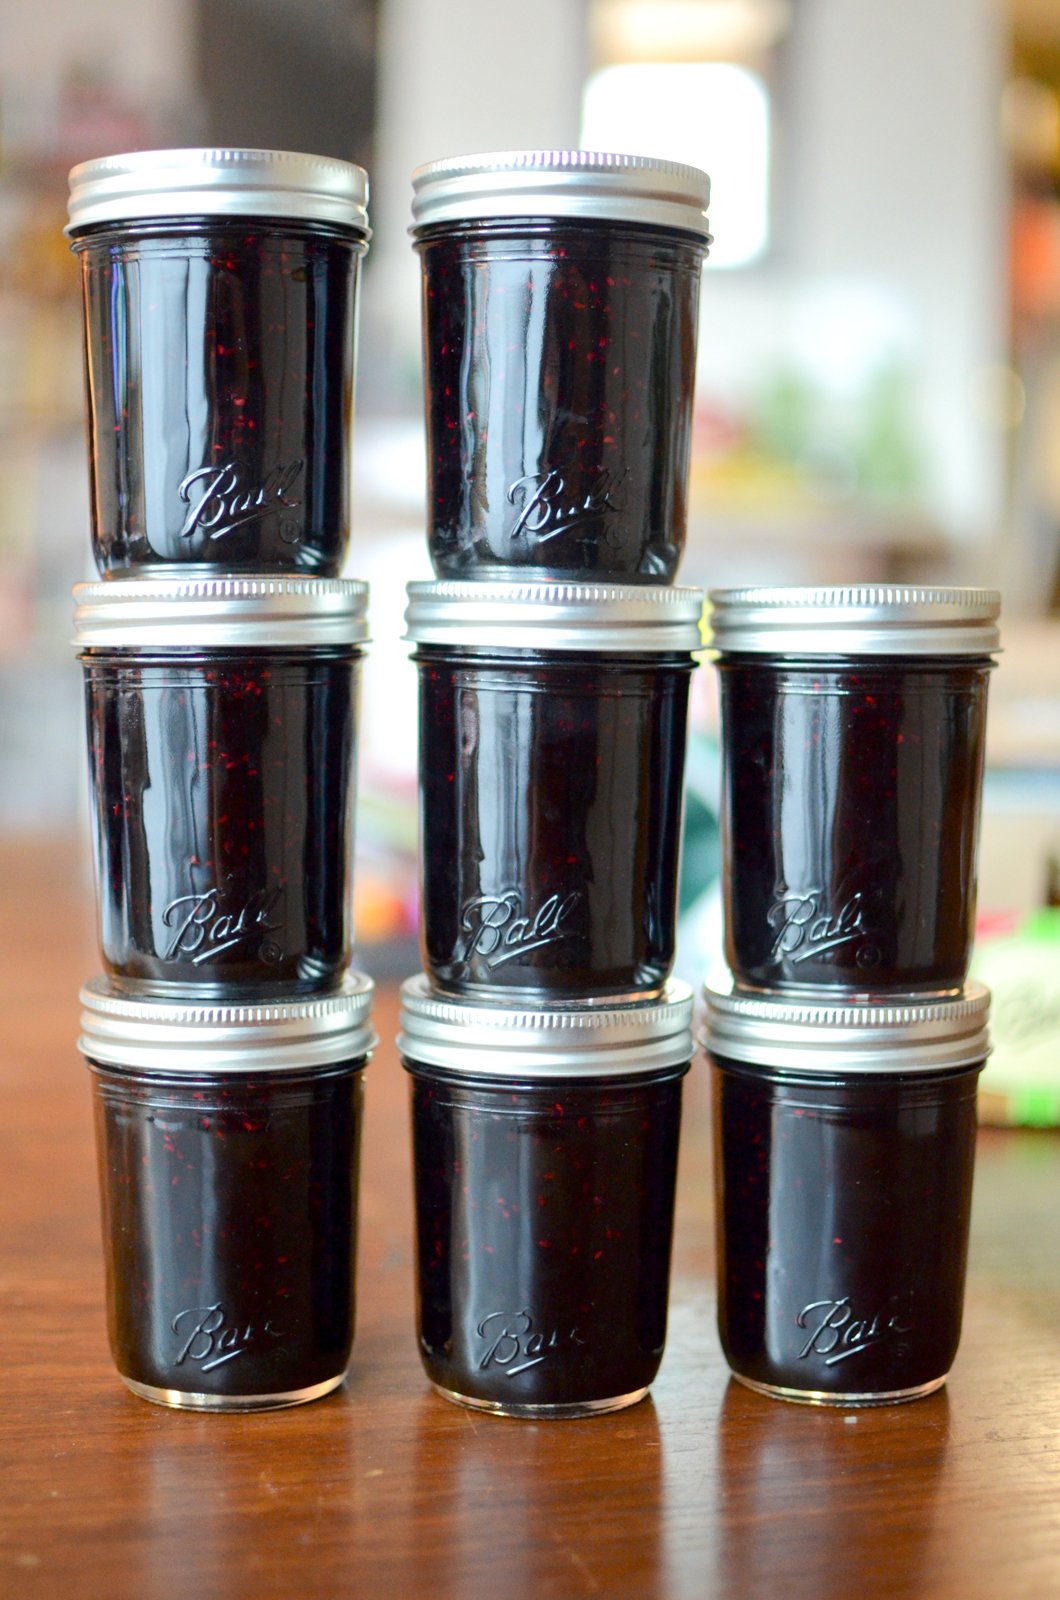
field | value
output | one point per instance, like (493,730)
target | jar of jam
(561,294)
(545,1157)
(222,725)
(853,726)
(228,1139)
(219,292)
(552,747)
(844,1142)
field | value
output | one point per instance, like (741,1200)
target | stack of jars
(221,653)
(545,1040)
(848,1045)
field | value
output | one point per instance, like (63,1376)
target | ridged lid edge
(874,619)
(573,184)
(161,1035)
(906,1034)
(223,610)
(558,616)
(219,181)
(590,1039)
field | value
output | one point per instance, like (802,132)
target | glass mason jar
(844,1143)
(222,729)
(228,1139)
(552,747)
(561,296)
(545,1158)
(219,293)
(853,725)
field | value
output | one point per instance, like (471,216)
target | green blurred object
(701,842)
(887,457)
(1020,1086)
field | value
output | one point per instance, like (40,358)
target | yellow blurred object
(379,913)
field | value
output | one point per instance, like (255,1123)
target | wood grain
(384,1489)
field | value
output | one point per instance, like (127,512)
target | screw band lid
(218,182)
(156,1035)
(180,612)
(583,185)
(555,616)
(863,619)
(586,1040)
(840,1037)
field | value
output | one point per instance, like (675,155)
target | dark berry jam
(850,813)
(229,1228)
(223,786)
(544,1214)
(842,1216)
(219,358)
(550,796)
(559,362)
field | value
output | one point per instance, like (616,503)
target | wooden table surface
(385,1489)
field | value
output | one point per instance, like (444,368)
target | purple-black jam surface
(559,362)
(223,791)
(550,796)
(842,1214)
(850,815)
(229,1226)
(219,360)
(544,1216)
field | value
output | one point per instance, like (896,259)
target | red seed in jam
(229,1227)
(550,793)
(224,785)
(842,1216)
(219,357)
(560,360)
(544,1216)
(850,817)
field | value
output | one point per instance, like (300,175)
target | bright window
(710,114)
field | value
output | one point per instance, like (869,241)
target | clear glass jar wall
(560,295)
(844,1145)
(219,291)
(224,786)
(545,1159)
(227,1139)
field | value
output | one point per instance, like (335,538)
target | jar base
(248,567)
(847,994)
(187,1400)
(527,998)
(543,1413)
(499,570)
(164,991)
(821,1397)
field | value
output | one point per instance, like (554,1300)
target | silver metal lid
(864,619)
(555,616)
(840,1037)
(581,184)
(191,1036)
(219,183)
(591,1040)
(176,612)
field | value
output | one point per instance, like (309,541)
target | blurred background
(879,381)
